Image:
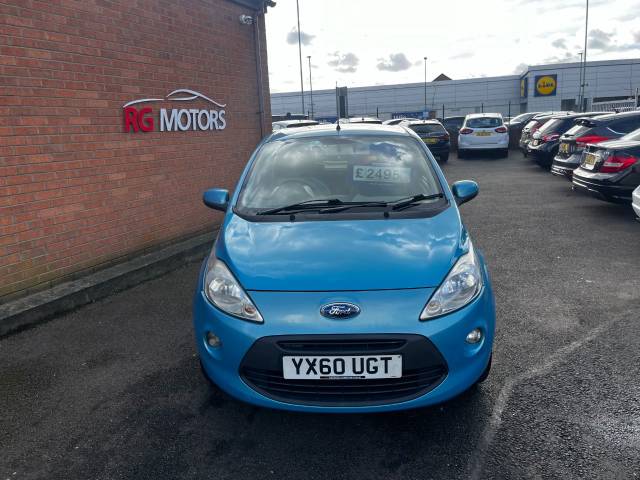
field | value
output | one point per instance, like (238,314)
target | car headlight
(462,285)
(224,291)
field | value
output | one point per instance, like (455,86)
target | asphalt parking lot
(113,390)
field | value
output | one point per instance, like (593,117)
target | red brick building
(86,182)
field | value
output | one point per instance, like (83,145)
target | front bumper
(390,314)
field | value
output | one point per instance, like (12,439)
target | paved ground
(113,390)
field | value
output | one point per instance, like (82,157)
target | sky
(380,42)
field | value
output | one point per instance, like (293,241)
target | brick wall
(76,191)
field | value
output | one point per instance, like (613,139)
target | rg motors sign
(138,118)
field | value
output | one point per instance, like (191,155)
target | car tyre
(444,158)
(504,153)
(461,153)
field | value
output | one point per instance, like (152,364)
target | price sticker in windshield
(369,173)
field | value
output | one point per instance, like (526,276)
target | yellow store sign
(546,85)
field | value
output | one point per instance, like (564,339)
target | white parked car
(483,131)
(635,198)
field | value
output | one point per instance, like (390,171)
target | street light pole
(580,82)
(584,58)
(310,85)
(425,86)
(300,55)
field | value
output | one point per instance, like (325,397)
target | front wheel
(461,153)
(444,158)
(504,153)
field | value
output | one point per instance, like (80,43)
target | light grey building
(540,88)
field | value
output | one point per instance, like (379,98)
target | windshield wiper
(349,205)
(307,204)
(410,201)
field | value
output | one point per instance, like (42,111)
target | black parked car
(590,131)
(543,146)
(453,124)
(434,135)
(533,126)
(610,170)
(516,124)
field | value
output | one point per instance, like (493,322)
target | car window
(625,125)
(579,128)
(521,118)
(484,122)
(427,128)
(634,136)
(551,125)
(351,168)
(453,122)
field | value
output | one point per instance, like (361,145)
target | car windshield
(521,118)
(551,126)
(427,128)
(578,129)
(484,122)
(453,122)
(634,136)
(349,168)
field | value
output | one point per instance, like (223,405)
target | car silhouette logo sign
(340,310)
(144,119)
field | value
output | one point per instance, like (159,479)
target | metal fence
(615,106)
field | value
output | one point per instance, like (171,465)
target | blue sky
(368,42)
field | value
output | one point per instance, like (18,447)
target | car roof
(612,116)
(293,122)
(484,115)
(576,115)
(346,129)
(431,121)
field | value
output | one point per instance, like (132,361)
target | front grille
(342,346)
(423,369)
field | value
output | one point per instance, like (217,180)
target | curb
(39,307)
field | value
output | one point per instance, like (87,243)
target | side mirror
(464,190)
(216,198)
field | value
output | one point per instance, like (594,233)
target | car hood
(342,254)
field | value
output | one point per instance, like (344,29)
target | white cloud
(305,38)
(396,62)
(344,62)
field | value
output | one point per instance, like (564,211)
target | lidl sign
(546,85)
(524,87)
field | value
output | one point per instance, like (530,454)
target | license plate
(342,367)
(535,142)
(367,173)
(590,160)
(430,140)
(564,148)
(483,134)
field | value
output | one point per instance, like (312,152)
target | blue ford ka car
(342,278)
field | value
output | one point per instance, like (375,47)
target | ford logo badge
(340,310)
